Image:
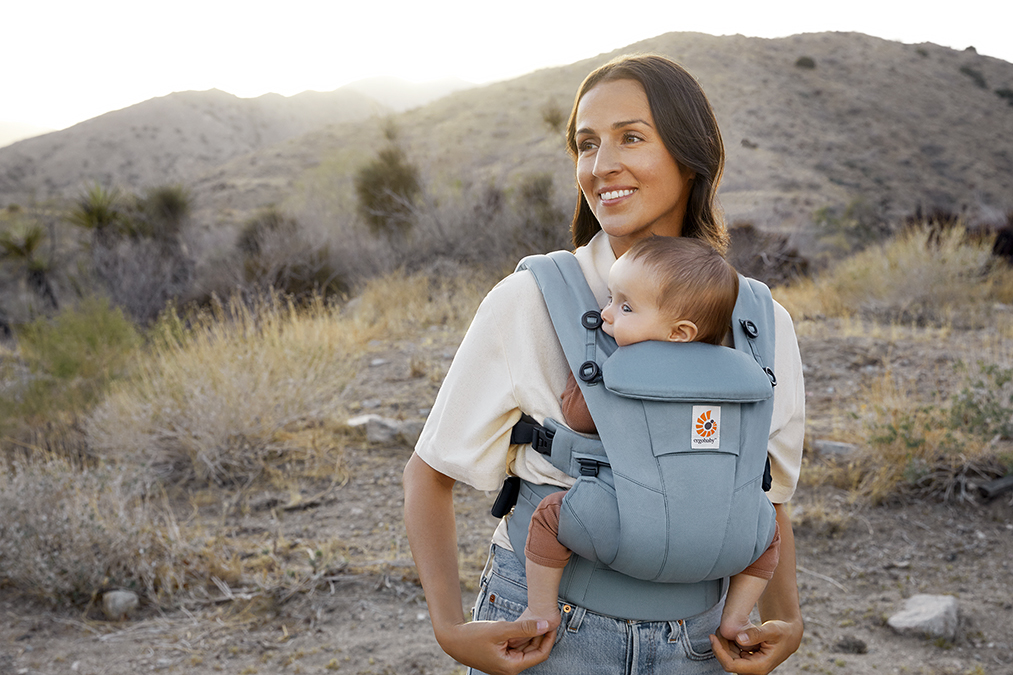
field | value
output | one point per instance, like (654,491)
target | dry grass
(241,395)
(919,277)
(70,532)
(220,399)
(915,445)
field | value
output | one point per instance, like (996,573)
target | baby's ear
(683,331)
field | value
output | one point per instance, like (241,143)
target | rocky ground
(366,614)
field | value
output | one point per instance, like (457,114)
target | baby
(673,289)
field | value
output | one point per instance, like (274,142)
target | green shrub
(72,359)
(984,407)
(387,189)
(805,62)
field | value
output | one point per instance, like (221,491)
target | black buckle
(527,430)
(591,320)
(541,440)
(588,467)
(749,328)
(507,497)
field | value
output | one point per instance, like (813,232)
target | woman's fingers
(757,651)
(486,645)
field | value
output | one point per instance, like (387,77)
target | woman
(648,159)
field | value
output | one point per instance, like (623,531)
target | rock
(410,431)
(381,429)
(851,645)
(927,615)
(834,448)
(117,605)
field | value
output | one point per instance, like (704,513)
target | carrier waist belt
(596,587)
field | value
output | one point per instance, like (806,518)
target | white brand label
(706,434)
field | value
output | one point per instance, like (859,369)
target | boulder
(932,616)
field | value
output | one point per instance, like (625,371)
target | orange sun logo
(705,426)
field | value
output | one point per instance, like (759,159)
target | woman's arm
(430,522)
(780,634)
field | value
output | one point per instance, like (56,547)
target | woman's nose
(606,160)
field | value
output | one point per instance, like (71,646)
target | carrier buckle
(541,440)
(588,467)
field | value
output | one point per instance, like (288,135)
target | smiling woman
(648,158)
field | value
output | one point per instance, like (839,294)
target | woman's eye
(631,138)
(584,146)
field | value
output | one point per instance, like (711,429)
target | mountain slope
(166,140)
(870,121)
(875,122)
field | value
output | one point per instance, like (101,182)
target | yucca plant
(20,247)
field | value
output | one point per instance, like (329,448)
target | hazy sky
(64,61)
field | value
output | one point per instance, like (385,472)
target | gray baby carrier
(669,498)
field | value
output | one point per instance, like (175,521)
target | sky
(65,61)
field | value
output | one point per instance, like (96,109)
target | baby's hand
(527,644)
(731,627)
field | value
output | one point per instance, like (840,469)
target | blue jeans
(589,643)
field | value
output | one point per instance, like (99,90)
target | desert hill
(812,120)
(166,140)
(895,126)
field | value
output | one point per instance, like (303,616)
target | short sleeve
(787,427)
(508,361)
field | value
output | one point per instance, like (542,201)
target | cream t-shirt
(510,362)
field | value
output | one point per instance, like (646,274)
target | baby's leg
(546,558)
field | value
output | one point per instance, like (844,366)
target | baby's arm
(743,593)
(746,588)
(545,560)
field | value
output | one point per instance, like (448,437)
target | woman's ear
(683,331)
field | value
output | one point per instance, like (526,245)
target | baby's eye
(626,307)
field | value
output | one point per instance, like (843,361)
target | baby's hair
(694,283)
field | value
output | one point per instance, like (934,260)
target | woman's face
(633,185)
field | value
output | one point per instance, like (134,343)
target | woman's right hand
(486,645)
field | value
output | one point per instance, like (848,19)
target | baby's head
(674,289)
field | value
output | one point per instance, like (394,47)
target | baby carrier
(669,497)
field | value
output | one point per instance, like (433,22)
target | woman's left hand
(771,643)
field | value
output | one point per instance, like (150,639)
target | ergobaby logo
(706,433)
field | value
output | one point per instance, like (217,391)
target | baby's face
(632,314)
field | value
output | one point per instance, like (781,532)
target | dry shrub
(918,277)
(218,400)
(68,532)
(826,514)
(919,448)
(397,304)
(209,401)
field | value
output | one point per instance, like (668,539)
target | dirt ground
(367,615)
